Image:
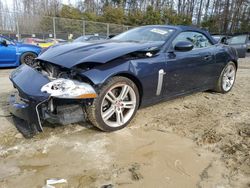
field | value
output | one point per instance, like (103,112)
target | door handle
(207,57)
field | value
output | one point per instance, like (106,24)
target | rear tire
(227,78)
(115,106)
(28,58)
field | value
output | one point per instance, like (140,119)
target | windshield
(8,40)
(241,39)
(145,34)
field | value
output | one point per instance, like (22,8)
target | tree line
(218,16)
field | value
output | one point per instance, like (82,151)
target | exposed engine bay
(51,71)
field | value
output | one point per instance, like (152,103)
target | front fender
(143,71)
(98,75)
(22,50)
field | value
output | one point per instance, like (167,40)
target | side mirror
(224,41)
(183,46)
(4,43)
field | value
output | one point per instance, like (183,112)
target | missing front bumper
(36,107)
(26,110)
(65,114)
(36,114)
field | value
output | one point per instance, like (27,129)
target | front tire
(28,58)
(115,106)
(227,78)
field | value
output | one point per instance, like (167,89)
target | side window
(198,39)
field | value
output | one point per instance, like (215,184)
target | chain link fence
(20,25)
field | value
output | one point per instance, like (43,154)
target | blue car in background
(13,53)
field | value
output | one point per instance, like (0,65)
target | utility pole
(54,27)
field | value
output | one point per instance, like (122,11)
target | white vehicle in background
(240,43)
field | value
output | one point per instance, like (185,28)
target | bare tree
(218,15)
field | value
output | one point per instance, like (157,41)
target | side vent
(160,81)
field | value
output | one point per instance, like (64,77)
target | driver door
(7,53)
(190,70)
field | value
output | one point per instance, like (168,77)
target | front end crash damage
(46,93)
(56,89)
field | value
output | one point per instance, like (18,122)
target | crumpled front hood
(72,54)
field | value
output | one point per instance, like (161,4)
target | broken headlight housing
(69,89)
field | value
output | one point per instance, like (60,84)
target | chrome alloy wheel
(118,105)
(228,77)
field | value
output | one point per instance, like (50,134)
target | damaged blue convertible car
(105,82)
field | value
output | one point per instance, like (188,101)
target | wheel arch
(20,56)
(135,80)
(98,76)
(34,52)
(235,63)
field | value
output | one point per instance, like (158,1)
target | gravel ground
(202,140)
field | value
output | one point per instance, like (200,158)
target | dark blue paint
(30,81)
(72,54)
(186,72)
(10,55)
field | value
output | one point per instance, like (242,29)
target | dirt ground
(202,140)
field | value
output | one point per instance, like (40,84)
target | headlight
(71,89)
